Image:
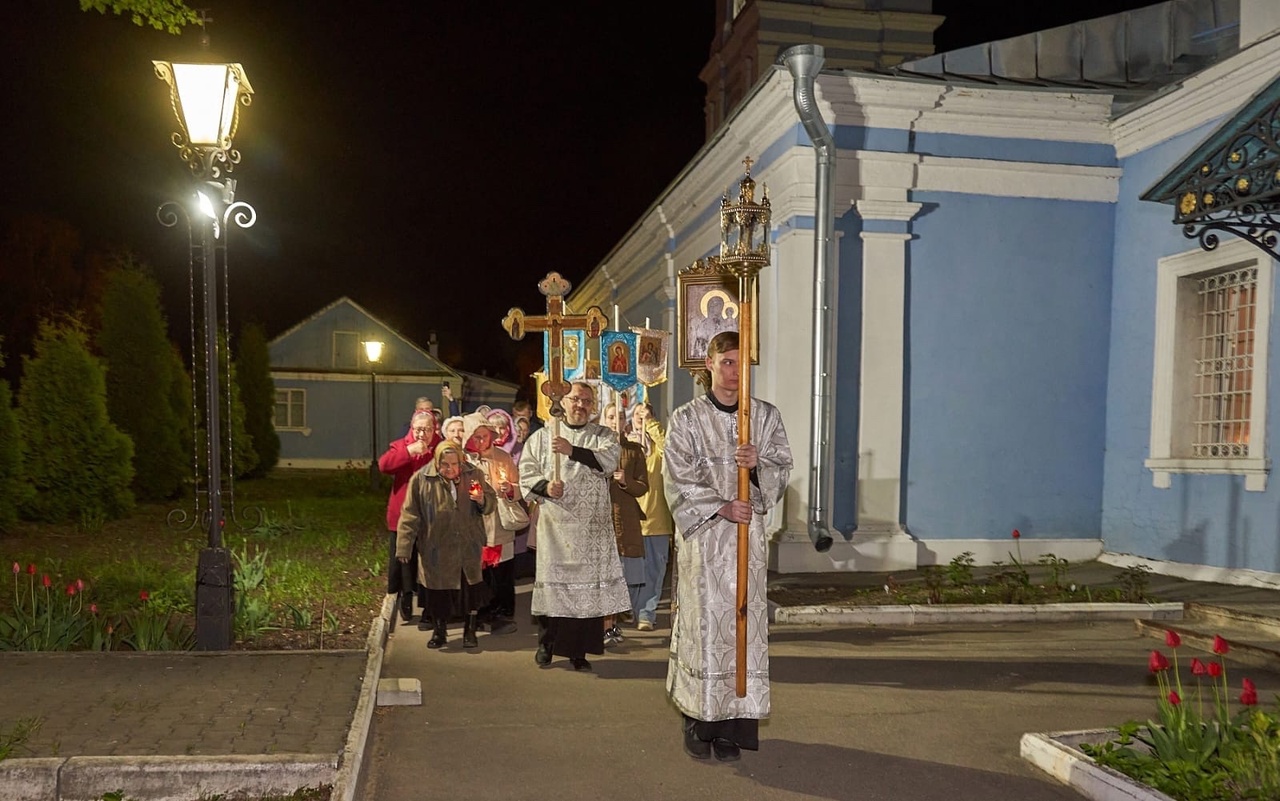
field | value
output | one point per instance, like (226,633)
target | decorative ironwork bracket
(1231,182)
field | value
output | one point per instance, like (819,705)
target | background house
(1004,353)
(328,394)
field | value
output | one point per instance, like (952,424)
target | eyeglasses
(419,430)
(574,399)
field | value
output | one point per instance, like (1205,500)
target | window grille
(290,409)
(1224,366)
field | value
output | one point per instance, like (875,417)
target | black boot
(469,632)
(439,638)
(693,746)
(406,607)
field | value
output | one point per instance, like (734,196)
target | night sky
(431,161)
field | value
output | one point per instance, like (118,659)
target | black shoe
(698,749)
(469,633)
(543,656)
(725,750)
(580,664)
(426,623)
(406,607)
(500,626)
(439,638)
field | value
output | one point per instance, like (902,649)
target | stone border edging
(1053,753)
(162,778)
(348,778)
(918,614)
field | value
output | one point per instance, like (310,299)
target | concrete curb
(1056,755)
(163,778)
(344,786)
(914,615)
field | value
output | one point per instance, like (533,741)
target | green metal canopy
(1231,182)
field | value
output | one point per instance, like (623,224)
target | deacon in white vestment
(579,577)
(701,476)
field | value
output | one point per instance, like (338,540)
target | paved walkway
(868,713)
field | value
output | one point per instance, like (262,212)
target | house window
(290,412)
(1208,399)
(346,349)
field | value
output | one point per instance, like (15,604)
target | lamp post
(206,100)
(373,352)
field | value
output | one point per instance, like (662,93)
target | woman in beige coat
(444,514)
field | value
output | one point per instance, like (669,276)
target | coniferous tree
(135,346)
(77,462)
(258,391)
(12,487)
(243,458)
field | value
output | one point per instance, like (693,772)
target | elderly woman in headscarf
(499,470)
(404,458)
(443,515)
(504,430)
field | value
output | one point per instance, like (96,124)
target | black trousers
(571,637)
(401,576)
(501,580)
(742,732)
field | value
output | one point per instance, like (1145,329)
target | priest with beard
(700,474)
(579,577)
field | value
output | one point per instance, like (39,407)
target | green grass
(322,533)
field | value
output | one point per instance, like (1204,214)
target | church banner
(573,344)
(651,355)
(618,359)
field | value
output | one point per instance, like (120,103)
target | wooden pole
(555,432)
(746,291)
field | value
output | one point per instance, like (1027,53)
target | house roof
(344,300)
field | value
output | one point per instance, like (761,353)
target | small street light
(206,101)
(373,352)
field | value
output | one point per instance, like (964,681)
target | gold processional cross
(555,322)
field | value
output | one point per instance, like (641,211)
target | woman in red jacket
(401,461)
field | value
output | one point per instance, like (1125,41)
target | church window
(290,412)
(1208,408)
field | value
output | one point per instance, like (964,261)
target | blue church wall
(1007,362)
(846,385)
(1201,519)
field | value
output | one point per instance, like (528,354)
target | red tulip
(1220,646)
(71,589)
(1197,667)
(1248,698)
(93,609)
(1215,669)
(1016,533)
(1248,686)
(1157,662)
(79,584)
(46,581)
(31,569)
(1174,698)
(17,568)
(1172,639)
(143,595)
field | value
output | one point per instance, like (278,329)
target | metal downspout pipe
(805,62)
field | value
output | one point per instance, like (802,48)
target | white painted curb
(178,778)
(344,787)
(916,614)
(1054,754)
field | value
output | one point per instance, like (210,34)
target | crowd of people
(598,496)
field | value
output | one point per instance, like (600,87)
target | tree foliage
(134,343)
(45,272)
(258,392)
(12,487)
(163,15)
(75,459)
(243,458)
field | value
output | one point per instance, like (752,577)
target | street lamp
(206,100)
(373,352)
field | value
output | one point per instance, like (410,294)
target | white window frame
(289,393)
(1232,253)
